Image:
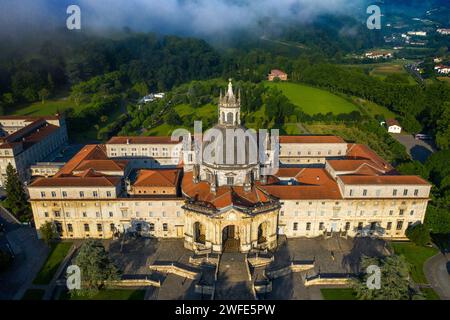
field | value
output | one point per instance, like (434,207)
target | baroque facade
(157,186)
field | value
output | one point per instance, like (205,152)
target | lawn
(338,294)
(312,100)
(110,294)
(57,253)
(416,256)
(49,107)
(373,109)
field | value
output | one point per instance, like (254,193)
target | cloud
(188,17)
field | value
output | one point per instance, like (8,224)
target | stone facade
(27,140)
(323,185)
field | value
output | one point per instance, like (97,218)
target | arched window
(230,118)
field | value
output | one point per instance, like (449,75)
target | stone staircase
(233,280)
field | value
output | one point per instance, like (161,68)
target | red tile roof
(354,165)
(313,184)
(141,140)
(160,178)
(225,195)
(102,165)
(383,180)
(77,181)
(277,72)
(311,139)
(360,151)
(392,122)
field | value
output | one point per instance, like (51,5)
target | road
(437,275)
(30,254)
(418,149)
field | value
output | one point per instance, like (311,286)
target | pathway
(437,275)
(233,278)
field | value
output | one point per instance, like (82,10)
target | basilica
(237,190)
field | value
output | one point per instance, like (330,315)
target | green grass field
(373,109)
(49,107)
(110,294)
(430,294)
(338,294)
(416,256)
(57,254)
(312,100)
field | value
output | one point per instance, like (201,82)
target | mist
(203,18)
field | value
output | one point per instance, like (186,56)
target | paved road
(437,275)
(30,254)
(233,278)
(418,149)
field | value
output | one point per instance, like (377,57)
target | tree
(96,267)
(43,94)
(438,219)
(16,198)
(419,234)
(395,280)
(48,232)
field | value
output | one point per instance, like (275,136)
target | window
(112,227)
(391,212)
(405,192)
(99,227)
(53,194)
(399,225)
(151,227)
(230,181)
(360,226)
(64,194)
(389,226)
(394,192)
(42,194)
(81,194)
(402,211)
(411,213)
(347,226)
(165,227)
(416,192)
(308,226)
(86,227)
(295,226)
(351,192)
(108,194)
(84,214)
(69,227)
(95,194)
(46,214)
(365,192)
(57,214)
(97,214)
(321,226)
(111,214)
(68,214)
(282,213)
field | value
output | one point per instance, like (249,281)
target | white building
(27,140)
(393,126)
(140,184)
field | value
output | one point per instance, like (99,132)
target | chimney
(128,141)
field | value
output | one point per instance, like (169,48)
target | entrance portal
(230,239)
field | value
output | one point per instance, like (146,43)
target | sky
(186,17)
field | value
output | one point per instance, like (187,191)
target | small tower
(230,107)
